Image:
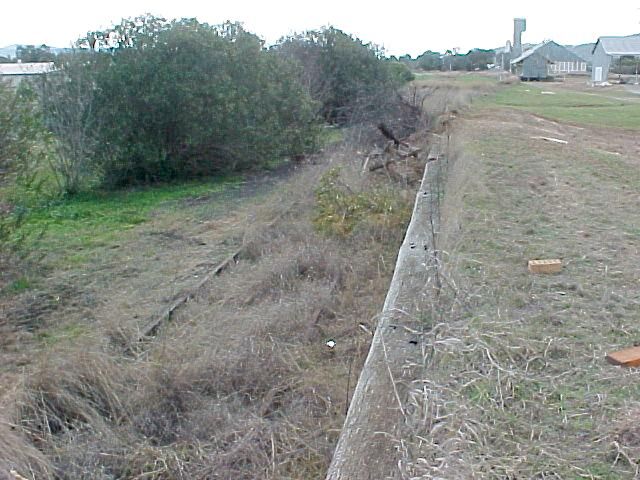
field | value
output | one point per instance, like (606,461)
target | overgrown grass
(571,106)
(340,210)
(240,384)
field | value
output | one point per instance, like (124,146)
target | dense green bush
(400,71)
(201,100)
(350,79)
(153,101)
(429,61)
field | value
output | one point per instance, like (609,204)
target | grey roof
(26,68)
(529,52)
(584,51)
(629,45)
(551,51)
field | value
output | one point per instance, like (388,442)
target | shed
(16,72)
(565,62)
(560,61)
(608,48)
(531,65)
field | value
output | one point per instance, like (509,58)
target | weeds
(241,384)
(340,209)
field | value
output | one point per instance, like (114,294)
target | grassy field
(515,381)
(596,107)
(84,222)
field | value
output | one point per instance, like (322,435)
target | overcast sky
(401,26)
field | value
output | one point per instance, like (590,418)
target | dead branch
(384,164)
(386,131)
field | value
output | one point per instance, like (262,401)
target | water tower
(519,26)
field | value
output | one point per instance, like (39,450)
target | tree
(479,59)
(348,78)
(185,99)
(429,61)
(67,97)
(23,142)
(20,131)
(31,53)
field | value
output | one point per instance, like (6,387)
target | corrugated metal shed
(26,68)
(619,46)
(606,48)
(531,65)
(560,60)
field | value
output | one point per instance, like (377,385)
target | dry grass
(515,384)
(240,384)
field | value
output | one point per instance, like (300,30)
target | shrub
(350,79)
(154,101)
(199,101)
(23,148)
(339,209)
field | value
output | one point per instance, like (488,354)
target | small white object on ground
(550,139)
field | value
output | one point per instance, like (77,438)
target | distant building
(531,65)
(504,55)
(584,51)
(547,60)
(608,48)
(16,72)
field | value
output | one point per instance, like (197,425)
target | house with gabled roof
(546,60)
(608,48)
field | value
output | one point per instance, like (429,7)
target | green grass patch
(17,286)
(331,135)
(82,222)
(66,333)
(576,107)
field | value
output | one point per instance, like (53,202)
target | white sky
(401,26)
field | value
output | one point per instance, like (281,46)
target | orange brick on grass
(629,357)
(545,266)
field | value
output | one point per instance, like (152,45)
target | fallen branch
(384,164)
(386,131)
